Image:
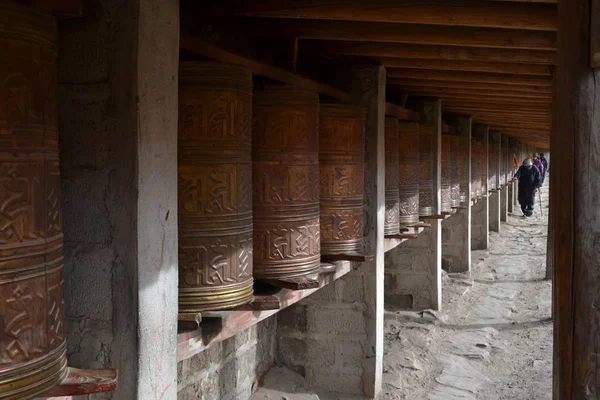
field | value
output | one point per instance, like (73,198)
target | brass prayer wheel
(445,190)
(392,178)
(454,171)
(341,160)
(214,186)
(464,147)
(285,178)
(426,171)
(475,170)
(484,168)
(32,339)
(408,188)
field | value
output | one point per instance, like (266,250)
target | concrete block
(292,351)
(349,357)
(326,294)
(335,382)
(337,321)
(352,289)
(321,353)
(293,318)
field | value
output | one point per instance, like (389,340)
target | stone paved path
(493,339)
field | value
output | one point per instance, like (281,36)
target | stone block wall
(413,272)
(455,242)
(322,337)
(479,225)
(230,370)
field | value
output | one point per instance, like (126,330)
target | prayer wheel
(445,190)
(492,163)
(342,164)
(392,177)
(408,188)
(426,171)
(475,170)
(214,186)
(484,170)
(32,339)
(285,178)
(454,171)
(464,148)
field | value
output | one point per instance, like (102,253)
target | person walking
(529,180)
(544,163)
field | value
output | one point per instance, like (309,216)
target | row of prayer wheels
(32,340)
(409,173)
(269,180)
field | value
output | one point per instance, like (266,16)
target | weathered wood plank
(433,12)
(469,85)
(395,33)
(460,76)
(401,113)
(405,51)
(469,65)
(59,8)
(84,381)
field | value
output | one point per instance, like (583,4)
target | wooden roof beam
(473,66)
(474,13)
(492,87)
(58,8)
(395,33)
(196,45)
(461,76)
(435,92)
(395,50)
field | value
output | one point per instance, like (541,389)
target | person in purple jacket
(540,167)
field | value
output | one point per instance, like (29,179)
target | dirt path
(493,339)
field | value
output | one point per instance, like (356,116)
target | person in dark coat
(529,180)
(544,163)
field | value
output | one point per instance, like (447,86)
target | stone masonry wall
(322,336)
(98,164)
(479,225)
(454,236)
(411,276)
(230,370)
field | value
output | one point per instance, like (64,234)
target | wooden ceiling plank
(474,13)
(378,49)
(395,33)
(403,114)
(461,76)
(196,45)
(59,8)
(468,85)
(472,66)
(425,91)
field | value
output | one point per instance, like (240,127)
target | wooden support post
(495,150)
(456,230)
(576,195)
(504,178)
(480,212)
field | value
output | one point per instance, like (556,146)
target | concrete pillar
(413,270)
(456,230)
(504,178)
(337,333)
(118,71)
(495,151)
(480,211)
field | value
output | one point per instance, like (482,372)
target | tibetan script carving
(214,187)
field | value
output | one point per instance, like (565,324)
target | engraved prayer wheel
(392,178)
(445,190)
(426,171)
(475,170)
(285,177)
(342,164)
(484,170)
(32,339)
(454,171)
(214,186)
(463,168)
(408,188)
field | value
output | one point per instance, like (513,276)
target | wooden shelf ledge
(356,257)
(219,326)
(79,382)
(409,233)
(438,216)
(299,283)
(403,236)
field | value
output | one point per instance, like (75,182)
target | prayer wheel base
(200,299)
